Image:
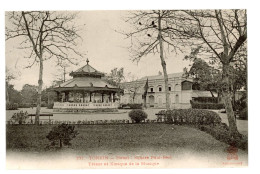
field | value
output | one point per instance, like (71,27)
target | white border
(254,64)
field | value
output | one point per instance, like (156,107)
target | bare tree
(47,35)
(149,35)
(220,35)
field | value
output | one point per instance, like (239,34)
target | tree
(205,75)
(46,35)
(9,76)
(220,34)
(134,90)
(62,134)
(29,94)
(148,36)
(116,76)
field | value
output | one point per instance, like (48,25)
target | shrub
(221,133)
(198,105)
(26,105)
(11,106)
(43,104)
(131,106)
(191,116)
(62,135)
(137,115)
(19,117)
(50,106)
(243,114)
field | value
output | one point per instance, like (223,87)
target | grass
(116,138)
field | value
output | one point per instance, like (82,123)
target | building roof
(86,82)
(156,77)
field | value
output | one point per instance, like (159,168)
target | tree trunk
(212,95)
(38,109)
(163,63)
(7,94)
(228,102)
(60,143)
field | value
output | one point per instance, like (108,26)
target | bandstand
(87,91)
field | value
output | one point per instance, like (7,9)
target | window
(160,89)
(151,89)
(170,88)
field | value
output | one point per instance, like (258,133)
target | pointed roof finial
(87,61)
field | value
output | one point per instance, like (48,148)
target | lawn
(180,142)
(116,138)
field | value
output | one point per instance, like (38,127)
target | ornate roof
(87,71)
(86,82)
(86,78)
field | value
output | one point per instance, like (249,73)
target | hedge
(207,121)
(221,133)
(191,116)
(197,105)
(11,106)
(131,106)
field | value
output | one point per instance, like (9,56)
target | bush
(19,117)
(137,115)
(198,105)
(131,106)
(62,135)
(43,104)
(11,106)
(243,114)
(191,116)
(50,106)
(26,105)
(221,133)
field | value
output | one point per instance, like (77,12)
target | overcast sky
(105,49)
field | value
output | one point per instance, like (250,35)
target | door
(151,100)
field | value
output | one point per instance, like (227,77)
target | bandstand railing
(67,105)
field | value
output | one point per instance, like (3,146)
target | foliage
(116,76)
(50,106)
(206,99)
(191,116)
(11,106)
(62,134)
(206,76)
(131,106)
(29,93)
(19,117)
(137,115)
(221,133)
(199,105)
(243,114)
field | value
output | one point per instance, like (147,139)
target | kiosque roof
(87,70)
(86,82)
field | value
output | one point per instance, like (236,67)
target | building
(181,90)
(86,91)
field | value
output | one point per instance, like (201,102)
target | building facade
(181,91)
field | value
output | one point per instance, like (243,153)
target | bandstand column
(66,96)
(112,98)
(90,97)
(83,96)
(102,98)
(74,96)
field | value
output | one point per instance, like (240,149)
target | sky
(101,44)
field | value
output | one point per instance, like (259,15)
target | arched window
(159,88)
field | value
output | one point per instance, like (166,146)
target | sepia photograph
(126,89)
